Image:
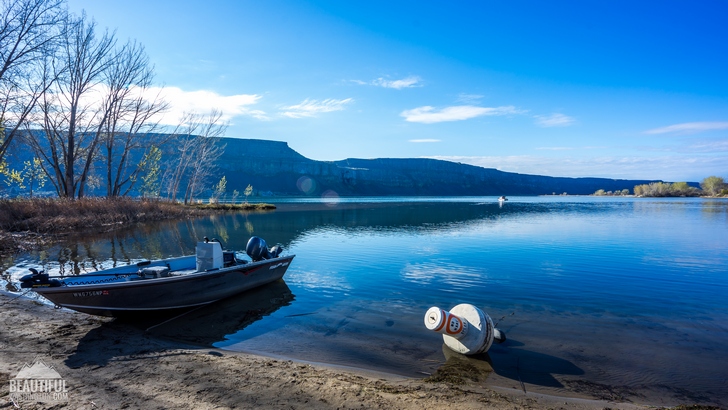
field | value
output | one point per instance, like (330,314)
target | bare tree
(208,151)
(29,30)
(184,144)
(72,118)
(197,149)
(129,120)
(48,144)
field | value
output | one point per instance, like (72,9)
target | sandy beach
(107,363)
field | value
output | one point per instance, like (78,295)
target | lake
(619,298)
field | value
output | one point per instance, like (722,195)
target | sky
(612,89)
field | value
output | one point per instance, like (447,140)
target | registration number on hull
(90,293)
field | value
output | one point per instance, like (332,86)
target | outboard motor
(38,280)
(258,250)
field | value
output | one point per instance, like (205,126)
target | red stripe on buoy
(449,319)
(443,315)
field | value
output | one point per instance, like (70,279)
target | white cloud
(181,102)
(554,120)
(666,167)
(689,128)
(409,82)
(311,108)
(425,140)
(429,115)
(203,101)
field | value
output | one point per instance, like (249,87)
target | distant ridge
(273,168)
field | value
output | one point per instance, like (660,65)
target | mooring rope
(17,297)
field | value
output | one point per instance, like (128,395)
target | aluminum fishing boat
(167,284)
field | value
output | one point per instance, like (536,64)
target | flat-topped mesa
(274,168)
(241,148)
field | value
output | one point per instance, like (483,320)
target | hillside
(272,167)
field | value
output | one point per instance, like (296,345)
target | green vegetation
(714,186)
(601,192)
(666,189)
(248,191)
(150,172)
(711,186)
(33,175)
(218,190)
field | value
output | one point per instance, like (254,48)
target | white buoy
(465,328)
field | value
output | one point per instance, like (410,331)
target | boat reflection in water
(212,323)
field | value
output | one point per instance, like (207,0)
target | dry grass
(235,207)
(59,216)
(24,222)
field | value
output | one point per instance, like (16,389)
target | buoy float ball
(465,328)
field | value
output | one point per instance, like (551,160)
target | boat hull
(166,293)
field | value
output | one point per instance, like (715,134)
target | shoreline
(85,335)
(107,363)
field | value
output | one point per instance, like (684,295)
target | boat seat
(154,272)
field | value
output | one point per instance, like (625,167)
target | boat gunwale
(158,281)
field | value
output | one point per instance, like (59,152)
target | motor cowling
(38,280)
(258,250)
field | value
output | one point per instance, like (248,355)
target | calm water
(613,297)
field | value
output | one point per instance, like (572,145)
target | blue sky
(635,90)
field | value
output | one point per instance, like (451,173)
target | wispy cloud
(469,99)
(554,120)
(425,140)
(311,108)
(555,148)
(199,101)
(568,148)
(408,82)
(430,115)
(664,167)
(689,128)
(707,146)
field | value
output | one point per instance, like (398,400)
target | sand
(110,364)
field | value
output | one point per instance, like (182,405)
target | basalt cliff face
(273,168)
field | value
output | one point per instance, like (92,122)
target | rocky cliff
(274,168)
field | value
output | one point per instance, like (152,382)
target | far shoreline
(54,223)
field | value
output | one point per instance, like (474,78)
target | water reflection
(286,226)
(212,323)
(203,326)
